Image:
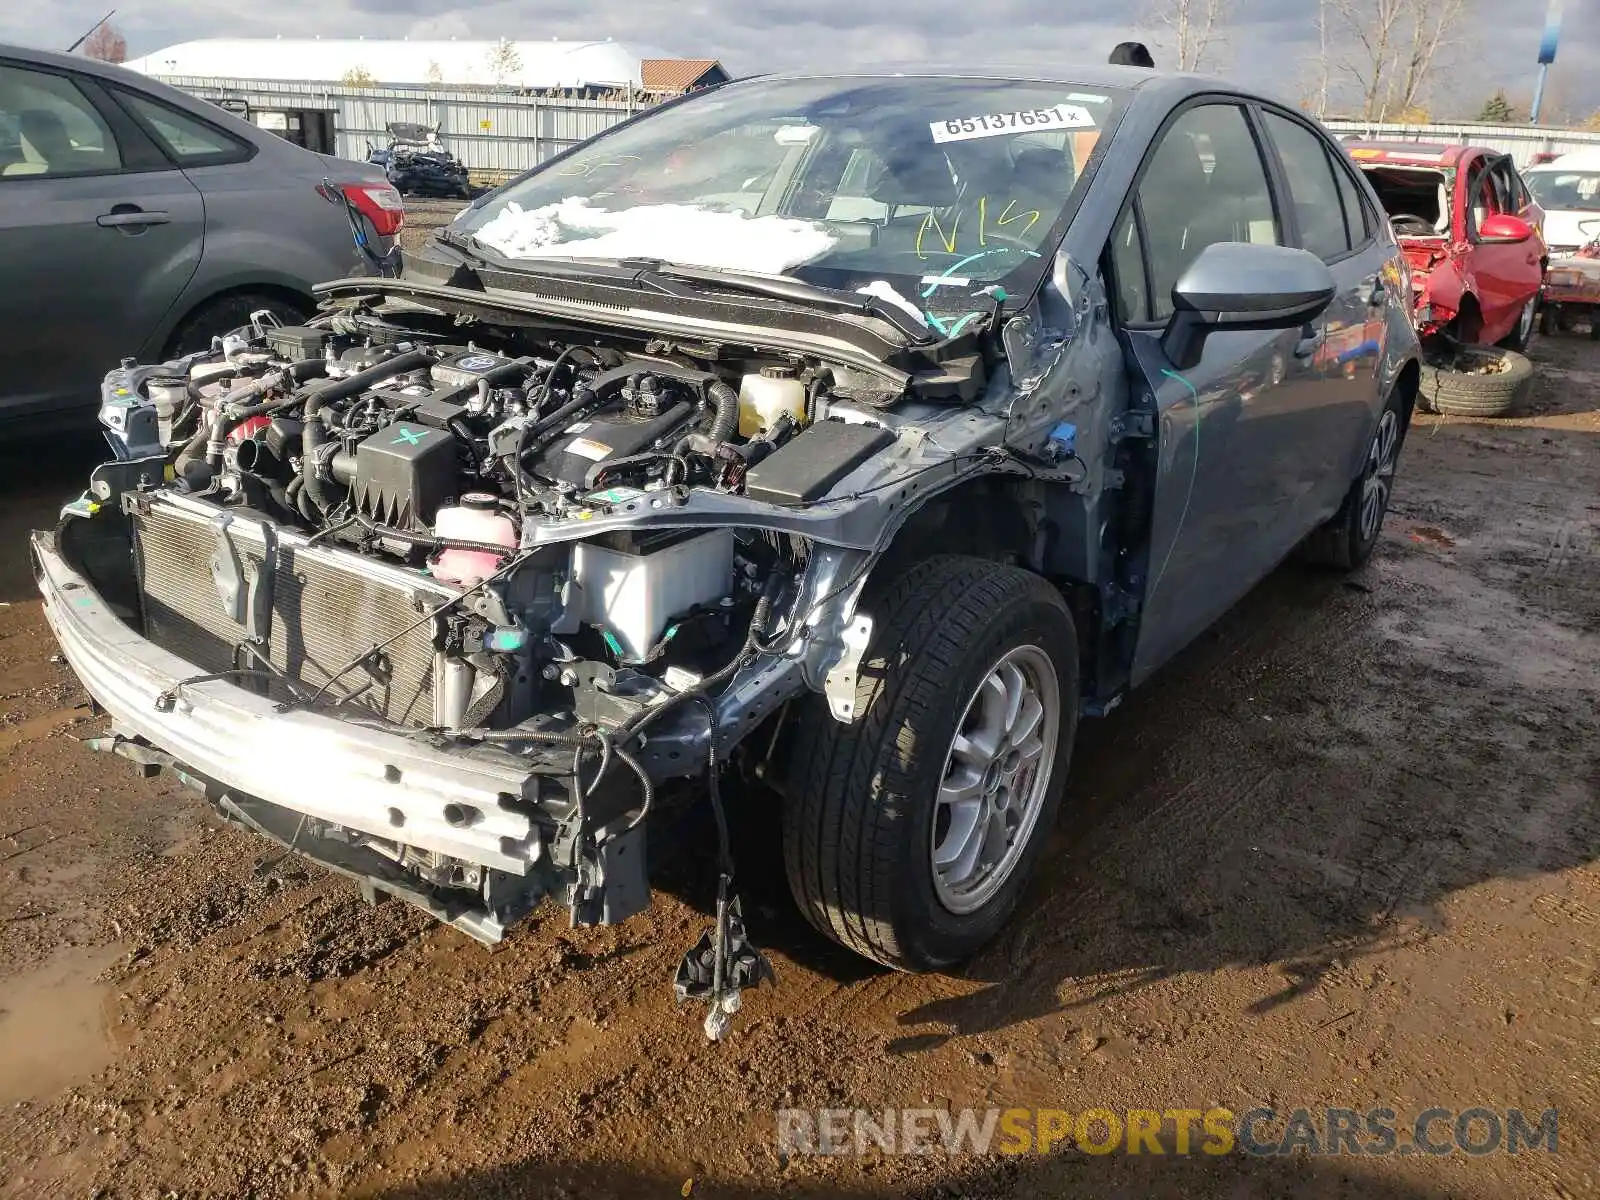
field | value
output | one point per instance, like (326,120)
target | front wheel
(224,314)
(910,832)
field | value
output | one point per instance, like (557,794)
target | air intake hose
(316,433)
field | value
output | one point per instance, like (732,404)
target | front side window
(1312,187)
(1127,269)
(1483,200)
(49,128)
(937,187)
(1204,183)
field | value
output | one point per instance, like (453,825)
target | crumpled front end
(475,834)
(457,618)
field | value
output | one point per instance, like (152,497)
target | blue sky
(1271,43)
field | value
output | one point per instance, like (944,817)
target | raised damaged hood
(872,344)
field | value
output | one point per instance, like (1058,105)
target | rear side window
(48,128)
(1357,216)
(190,141)
(1312,186)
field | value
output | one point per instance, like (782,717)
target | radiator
(327,607)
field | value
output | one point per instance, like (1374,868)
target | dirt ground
(1344,851)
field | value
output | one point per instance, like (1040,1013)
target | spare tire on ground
(1474,381)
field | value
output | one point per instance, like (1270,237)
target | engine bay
(399,452)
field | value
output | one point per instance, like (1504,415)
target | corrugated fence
(1522,142)
(493,132)
(503,133)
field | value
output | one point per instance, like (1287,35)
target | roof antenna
(90,30)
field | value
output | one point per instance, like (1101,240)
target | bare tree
(1435,26)
(106,43)
(1388,48)
(1189,27)
(504,61)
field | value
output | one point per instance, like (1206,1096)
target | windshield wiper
(655,274)
(587,269)
(788,289)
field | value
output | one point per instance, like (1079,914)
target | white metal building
(391,63)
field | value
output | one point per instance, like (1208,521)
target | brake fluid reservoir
(476,519)
(763,397)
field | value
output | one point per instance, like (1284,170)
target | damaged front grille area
(206,597)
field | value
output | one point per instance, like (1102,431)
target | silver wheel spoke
(1026,725)
(1016,685)
(963,834)
(1029,752)
(973,748)
(996,839)
(965,857)
(961,785)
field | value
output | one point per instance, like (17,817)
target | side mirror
(1240,285)
(1502,229)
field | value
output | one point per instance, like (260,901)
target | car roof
(1412,154)
(1587,159)
(186,101)
(71,62)
(1169,85)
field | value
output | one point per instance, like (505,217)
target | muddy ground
(1345,850)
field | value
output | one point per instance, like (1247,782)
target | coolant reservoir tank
(476,519)
(763,397)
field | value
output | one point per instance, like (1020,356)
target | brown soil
(1343,851)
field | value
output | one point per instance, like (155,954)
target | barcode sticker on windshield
(1058,116)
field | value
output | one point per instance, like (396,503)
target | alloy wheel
(1379,478)
(996,775)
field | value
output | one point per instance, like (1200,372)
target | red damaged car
(1471,233)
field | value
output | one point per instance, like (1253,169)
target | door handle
(1308,345)
(136,218)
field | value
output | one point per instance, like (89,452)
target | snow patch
(884,290)
(678,233)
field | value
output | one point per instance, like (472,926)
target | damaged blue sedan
(852,435)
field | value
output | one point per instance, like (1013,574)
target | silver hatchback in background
(136,220)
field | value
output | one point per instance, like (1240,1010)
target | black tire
(859,820)
(227,313)
(1519,337)
(1461,394)
(1346,542)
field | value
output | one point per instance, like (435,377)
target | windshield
(923,191)
(1572,190)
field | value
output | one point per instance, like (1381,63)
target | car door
(1503,275)
(1227,482)
(1334,222)
(1527,267)
(99,231)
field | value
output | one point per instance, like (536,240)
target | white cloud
(452,24)
(1270,44)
